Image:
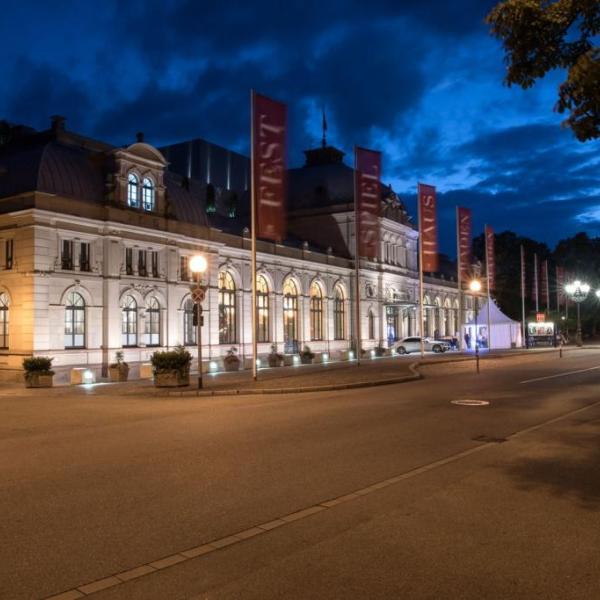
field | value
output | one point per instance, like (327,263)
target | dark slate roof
(51,167)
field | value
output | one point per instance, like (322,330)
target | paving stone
(168,561)
(198,551)
(70,595)
(101,584)
(134,573)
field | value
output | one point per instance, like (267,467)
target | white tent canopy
(504,332)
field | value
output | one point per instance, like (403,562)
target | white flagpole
(459,279)
(421,308)
(253,238)
(487,270)
(523,294)
(356,266)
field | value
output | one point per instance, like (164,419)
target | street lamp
(578,292)
(198,265)
(475,287)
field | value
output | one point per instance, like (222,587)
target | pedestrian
(467,340)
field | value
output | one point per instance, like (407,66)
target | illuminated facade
(95,245)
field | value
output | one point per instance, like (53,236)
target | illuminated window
(129,322)
(133,193)
(339,314)
(316,312)
(4,314)
(227,309)
(262,309)
(189,329)
(153,323)
(290,316)
(75,321)
(147,194)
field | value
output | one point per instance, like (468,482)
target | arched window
(75,321)
(133,192)
(189,329)
(227,306)
(153,323)
(290,316)
(4,313)
(371,323)
(316,312)
(262,309)
(129,322)
(339,314)
(147,194)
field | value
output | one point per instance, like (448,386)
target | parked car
(413,344)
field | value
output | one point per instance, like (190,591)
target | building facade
(96,241)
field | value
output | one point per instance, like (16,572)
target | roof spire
(324,125)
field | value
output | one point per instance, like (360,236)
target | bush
(232,356)
(307,353)
(119,360)
(172,360)
(38,364)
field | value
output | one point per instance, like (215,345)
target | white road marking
(560,375)
(469,402)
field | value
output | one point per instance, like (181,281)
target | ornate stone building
(95,243)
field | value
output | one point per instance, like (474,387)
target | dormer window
(148,194)
(133,195)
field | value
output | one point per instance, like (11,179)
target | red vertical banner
(544,283)
(490,257)
(269,128)
(464,228)
(367,174)
(428,228)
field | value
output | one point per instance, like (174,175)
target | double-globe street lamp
(578,292)
(475,287)
(198,265)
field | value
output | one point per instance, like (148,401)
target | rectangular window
(142,270)
(154,256)
(66,257)
(84,256)
(9,248)
(129,261)
(185,268)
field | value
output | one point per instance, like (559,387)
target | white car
(413,344)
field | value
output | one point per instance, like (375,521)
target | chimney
(139,136)
(57,123)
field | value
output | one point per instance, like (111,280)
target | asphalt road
(494,501)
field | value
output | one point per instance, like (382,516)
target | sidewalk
(294,379)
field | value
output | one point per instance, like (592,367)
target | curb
(304,390)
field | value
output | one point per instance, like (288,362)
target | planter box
(275,361)
(306,360)
(171,379)
(118,373)
(146,371)
(231,365)
(80,375)
(35,380)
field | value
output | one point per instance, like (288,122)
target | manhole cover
(470,402)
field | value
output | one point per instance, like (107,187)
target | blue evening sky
(420,80)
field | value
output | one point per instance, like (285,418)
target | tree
(542,35)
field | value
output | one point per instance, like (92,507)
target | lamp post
(198,265)
(578,292)
(475,287)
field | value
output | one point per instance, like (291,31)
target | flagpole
(487,270)
(356,266)
(459,279)
(421,313)
(523,294)
(536,282)
(557,290)
(253,238)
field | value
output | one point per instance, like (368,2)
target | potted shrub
(171,368)
(379,351)
(119,370)
(231,362)
(306,356)
(275,359)
(38,371)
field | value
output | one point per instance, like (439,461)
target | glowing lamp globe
(475,285)
(198,264)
